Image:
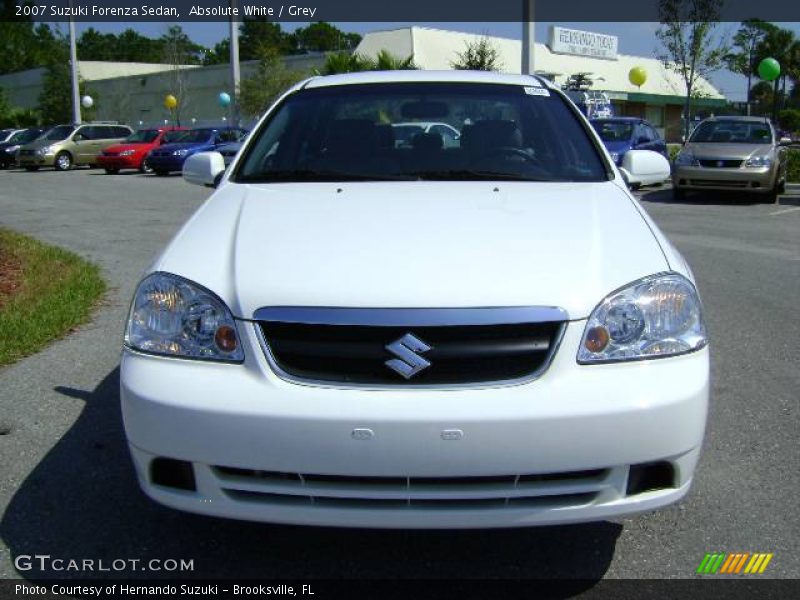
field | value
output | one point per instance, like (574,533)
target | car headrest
(384,136)
(493,133)
(351,136)
(427,142)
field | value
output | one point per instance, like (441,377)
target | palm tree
(777,43)
(745,44)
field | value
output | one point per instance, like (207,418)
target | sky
(634,38)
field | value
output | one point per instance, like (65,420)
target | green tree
(346,62)
(579,82)
(478,56)
(689,46)
(258,37)
(385,61)
(778,43)
(5,109)
(219,54)
(742,58)
(324,37)
(270,80)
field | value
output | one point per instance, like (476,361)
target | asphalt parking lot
(68,488)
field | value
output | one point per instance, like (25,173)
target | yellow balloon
(637,76)
(170,101)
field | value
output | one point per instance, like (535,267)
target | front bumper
(753,180)
(166,163)
(260,447)
(119,162)
(36,160)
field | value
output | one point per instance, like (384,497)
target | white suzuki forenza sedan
(353,331)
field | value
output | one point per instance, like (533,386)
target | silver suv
(732,153)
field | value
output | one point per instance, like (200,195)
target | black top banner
(378,10)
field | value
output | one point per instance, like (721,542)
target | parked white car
(352,333)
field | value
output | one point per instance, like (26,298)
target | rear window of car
(381,132)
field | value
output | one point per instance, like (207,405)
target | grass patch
(48,291)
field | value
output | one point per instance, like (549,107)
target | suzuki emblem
(407,350)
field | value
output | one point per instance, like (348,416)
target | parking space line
(784,211)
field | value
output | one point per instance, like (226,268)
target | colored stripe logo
(744,563)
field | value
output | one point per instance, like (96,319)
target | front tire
(144,169)
(63,161)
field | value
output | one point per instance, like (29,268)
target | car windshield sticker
(536,91)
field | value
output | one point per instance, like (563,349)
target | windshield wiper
(477,175)
(298,175)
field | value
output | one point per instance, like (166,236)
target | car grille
(725,163)
(488,351)
(535,490)
(717,183)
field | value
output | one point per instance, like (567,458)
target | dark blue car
(620,134)
(170,157)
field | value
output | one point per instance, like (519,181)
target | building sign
(583,43)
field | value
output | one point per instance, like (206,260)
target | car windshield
(500,132)
(62,132)
(732,132)
(613,131)
(143,136)
(196,136)
(23,137)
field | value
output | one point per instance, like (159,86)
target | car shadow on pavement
(82,501)
(708,198)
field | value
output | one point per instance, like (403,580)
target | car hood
(41,144)
(419,244)
(179,146)
(617,146)
(719,150)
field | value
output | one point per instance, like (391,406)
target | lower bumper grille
(420,353)
(731,163)
(543,490)
(718,183)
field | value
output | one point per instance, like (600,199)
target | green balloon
(769,69)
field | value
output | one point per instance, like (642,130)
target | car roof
(740,119)
(418,76)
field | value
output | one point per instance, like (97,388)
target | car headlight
(11,149)
(654,317)
(127,152)
(686,159)
(175,317)
(180,152)
(759,161)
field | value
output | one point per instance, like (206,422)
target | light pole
(73,65)
(235,75)
(528,37)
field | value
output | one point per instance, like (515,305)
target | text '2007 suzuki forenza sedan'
(357,332)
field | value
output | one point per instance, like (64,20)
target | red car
(130,153)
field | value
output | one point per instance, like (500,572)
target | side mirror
(644,167)
(204,168)
(785,141)
(78,137)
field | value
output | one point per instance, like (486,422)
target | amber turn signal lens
(225,338)
(596,339)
